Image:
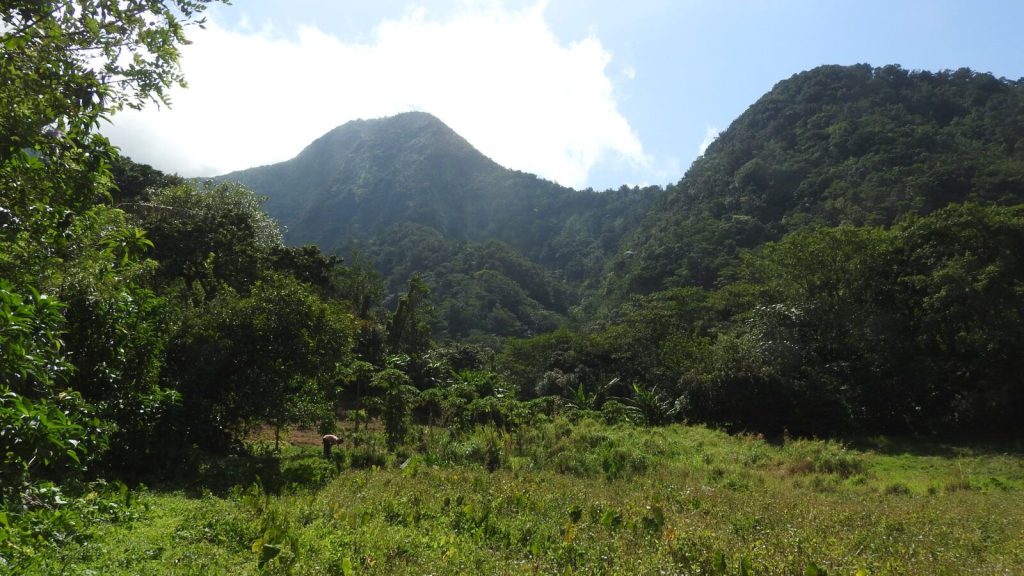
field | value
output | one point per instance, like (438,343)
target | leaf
(718,566)
(814,570)
(745,566)
(267,553)
(91,25)
(346,567)
(611,519)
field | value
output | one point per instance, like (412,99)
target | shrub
(822,457)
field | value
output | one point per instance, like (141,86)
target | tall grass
(586,498)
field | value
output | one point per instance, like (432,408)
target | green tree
(527,361)
(916,328)
(67,65)
(42,434)
(962,289)
(134,182)
(213,235)
(116,329)
(273,356)
(361,284)
(820,330)
(66,68)
(395,404)
(409,326)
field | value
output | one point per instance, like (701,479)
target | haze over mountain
(413,196)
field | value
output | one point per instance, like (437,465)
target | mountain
(510,254)
(367,175)
(847,256)
(834,145)
(413,196)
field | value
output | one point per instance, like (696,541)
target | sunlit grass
(588,499)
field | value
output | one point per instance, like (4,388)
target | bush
(367,456)
(312,471)
(822,457)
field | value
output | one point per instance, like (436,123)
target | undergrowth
(583,498)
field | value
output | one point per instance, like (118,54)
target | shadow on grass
(941,447)
(293,468)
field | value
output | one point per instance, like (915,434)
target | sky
(587,93)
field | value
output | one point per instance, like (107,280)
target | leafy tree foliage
(64,69)
(409,327)
(913,328)
(116,326)
(42,434)
(482,291)
(835,145)
(273,356)
(398,396)
(134,182)
(212,235)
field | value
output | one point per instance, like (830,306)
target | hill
(412,196)
(834,145)
(846,256)
(509,255)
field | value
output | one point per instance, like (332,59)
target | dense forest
(505,254)
(841,259)
(847,258)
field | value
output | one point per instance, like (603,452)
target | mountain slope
(368,175)
(414,197)
(834,145)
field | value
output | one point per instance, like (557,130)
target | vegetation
(911,329)
(413,197)
(836,145)
(820,270)
(583,498)
(510,359)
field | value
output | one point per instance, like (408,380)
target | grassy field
(585,498)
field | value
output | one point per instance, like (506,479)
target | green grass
(586,499)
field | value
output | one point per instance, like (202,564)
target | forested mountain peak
(834,145)
(408,137)
(415,197)
(368,175)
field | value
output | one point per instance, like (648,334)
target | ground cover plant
(578,498)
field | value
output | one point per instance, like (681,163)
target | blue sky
(593,93)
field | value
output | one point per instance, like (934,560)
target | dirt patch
(309,436)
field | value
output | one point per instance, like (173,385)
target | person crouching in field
(329,441)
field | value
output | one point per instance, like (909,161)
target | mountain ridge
(829,146)
(834,145)
(414,197)
(352,169)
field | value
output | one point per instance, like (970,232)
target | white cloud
(497,76)
(710,135)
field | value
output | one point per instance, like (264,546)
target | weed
(823,457)
(897,489)
(959,484)
(585,498)
(367,456)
